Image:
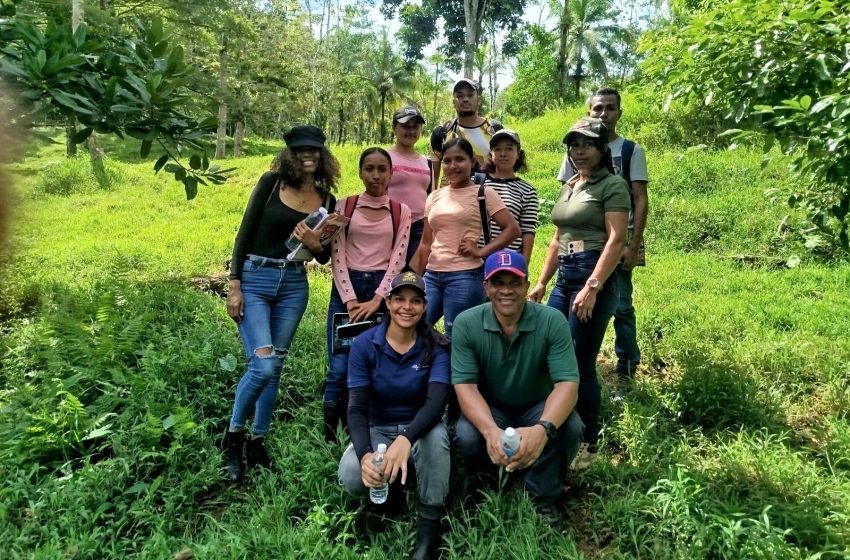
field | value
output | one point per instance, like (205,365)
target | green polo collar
(598,175)
(526,320)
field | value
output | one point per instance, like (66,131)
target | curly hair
(288,169)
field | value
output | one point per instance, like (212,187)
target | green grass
(117,380)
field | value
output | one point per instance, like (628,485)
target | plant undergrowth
(117,376)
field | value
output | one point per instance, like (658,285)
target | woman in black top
(268,293)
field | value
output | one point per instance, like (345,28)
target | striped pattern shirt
(521,199)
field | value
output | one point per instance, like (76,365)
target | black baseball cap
(505,133)
(408,279)
(304,136)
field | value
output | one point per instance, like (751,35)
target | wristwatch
(593,283)
(551,430)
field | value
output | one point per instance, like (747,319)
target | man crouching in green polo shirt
(513,365)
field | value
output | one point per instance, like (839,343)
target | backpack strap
(348,211)
(395,214)
(626,161)
(482,210)
(430,176)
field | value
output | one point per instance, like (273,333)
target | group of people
(447,237)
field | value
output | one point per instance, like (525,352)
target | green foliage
(534,88)
(778,68)
(75,175)
(116,380)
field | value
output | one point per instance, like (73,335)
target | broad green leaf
(806,102)
(145,150)
(195,162)
(81,135)
(160,163)
(191,186)
(227,363)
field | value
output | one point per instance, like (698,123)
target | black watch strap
(551,430)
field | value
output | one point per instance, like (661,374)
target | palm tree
(388,74)
(589,36)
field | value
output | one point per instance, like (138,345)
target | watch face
(593,282)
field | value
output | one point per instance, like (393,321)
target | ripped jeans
(275,298)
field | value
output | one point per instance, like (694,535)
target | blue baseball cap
(506,259)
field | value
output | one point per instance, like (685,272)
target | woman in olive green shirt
(591,215)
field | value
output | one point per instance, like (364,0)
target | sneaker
(551,515)
(585,457)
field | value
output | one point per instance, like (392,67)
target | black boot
(332,417)
(256,454)
(234,451)
(429,531)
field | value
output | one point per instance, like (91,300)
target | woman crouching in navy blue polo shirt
(398,380)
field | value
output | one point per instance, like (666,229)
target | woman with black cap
(268,293)
(591,216)
(398,379)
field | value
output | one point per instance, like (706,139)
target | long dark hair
(373,150)
(288,169)
(433,339)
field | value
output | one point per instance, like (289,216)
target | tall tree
(388,74)
(462,24)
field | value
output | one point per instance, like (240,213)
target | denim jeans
(364,285)
(573,272)
(416,229)
(430,456)
(275,298)
(450,293)
(542,479)
(625,326)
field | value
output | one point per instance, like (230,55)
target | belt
(274,263)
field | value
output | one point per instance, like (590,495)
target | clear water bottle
(379,495)
(510,441)
(312,221)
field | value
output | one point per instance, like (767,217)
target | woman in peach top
(449,252)
(367,255)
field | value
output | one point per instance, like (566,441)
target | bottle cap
(510,432)
(382,448)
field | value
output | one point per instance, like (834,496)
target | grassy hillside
(117,378)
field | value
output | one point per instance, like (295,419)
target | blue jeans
(450,293)
(625,326)
(416,229)
(430,456)
(275,296)
(573,272)
(364,285)
(543,478)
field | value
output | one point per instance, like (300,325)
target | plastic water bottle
(379,495)
(312,221)
(510,441)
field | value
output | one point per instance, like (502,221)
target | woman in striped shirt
(506,158)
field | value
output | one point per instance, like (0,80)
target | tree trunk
(221,132)
(383,118)
(436,89)
(470,13)
(564,30)
(238,136)
(341,132)
(578,76)
(70,130)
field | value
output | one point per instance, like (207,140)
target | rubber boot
(429,530)
(234,452)
(256,454)
(330,410)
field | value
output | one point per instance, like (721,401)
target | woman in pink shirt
(367,255)
(413,177)
(449,252)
